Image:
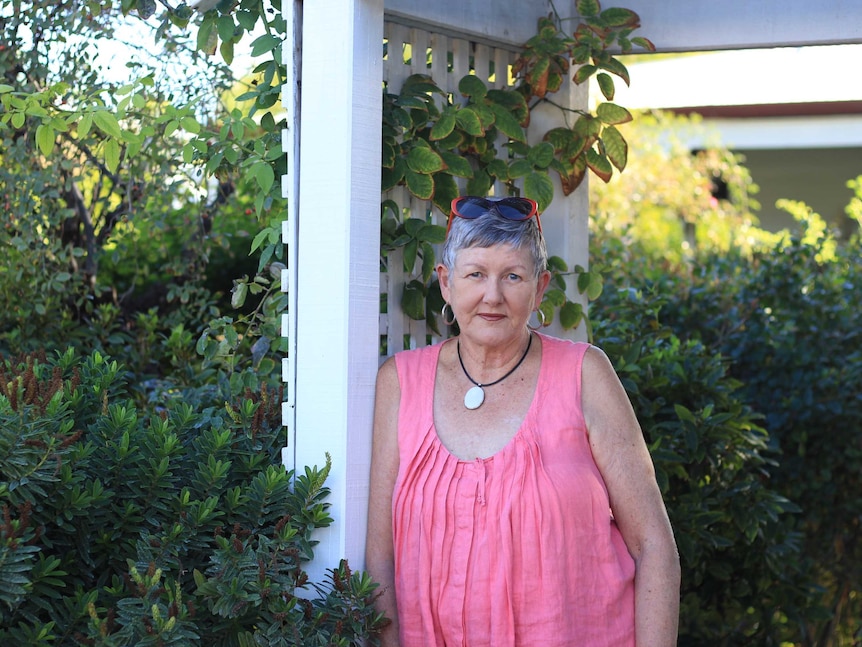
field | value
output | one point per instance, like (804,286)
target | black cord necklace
(474,398)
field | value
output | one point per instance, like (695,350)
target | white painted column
(338,261)
(566,223)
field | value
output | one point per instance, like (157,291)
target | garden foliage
(174,525)
(745,373)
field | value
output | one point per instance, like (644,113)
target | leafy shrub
(174,527)
(740,561)
(788,320)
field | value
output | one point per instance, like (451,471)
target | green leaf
(226,28)
(264,44)
(45,139)
(456,165)
(541,155)
(612,114)
(264,175)
(644,43)
(112,155)
(424,160)
(583,73)
(616,147)
(520,168)
(619,17)
(555,263)
(571,315)
(468,120)
(684,414)
(207,37)
(600,165)
(555,297)
(479,184)
(428,261)
(540,188)
(606,85)
(587,126)
(472,86)
(445,190)
(107,123)
(445,124)
(190,124)
(507,123)
(587,8)
(614,66)
(413,300)
(392,177)
(513,102)
(226,51)
(420,184)
(411,251)
(5,88)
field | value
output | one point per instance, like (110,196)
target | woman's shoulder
(415,361)
(556,346)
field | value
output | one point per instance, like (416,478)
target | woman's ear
(542,285)
(443,278)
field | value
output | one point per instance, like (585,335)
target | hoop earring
(443,314)
(541,316)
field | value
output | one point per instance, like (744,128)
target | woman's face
(492,291)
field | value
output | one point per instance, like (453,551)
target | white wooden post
(338,261)
(566,222)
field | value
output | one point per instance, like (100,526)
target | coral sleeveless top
(514,550)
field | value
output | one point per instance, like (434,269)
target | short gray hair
(492,229)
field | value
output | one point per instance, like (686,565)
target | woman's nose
(492,291)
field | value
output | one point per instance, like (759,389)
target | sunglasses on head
(471,207)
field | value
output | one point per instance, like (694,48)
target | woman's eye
(514,277)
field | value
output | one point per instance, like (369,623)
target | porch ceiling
(673,25)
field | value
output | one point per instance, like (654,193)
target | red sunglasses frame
(492,205)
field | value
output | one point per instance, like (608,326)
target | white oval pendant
(474,398)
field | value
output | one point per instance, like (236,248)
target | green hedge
(751,368)
(175,525)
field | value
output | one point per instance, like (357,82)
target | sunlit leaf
(107,123)
(424,160)
(619,17)
(445,124)
(45,139)
(583,73)
(611,113)
(420,184)
(606,85)
(469,122)
(112,155)
(616,147)
(600,165)
(571,315)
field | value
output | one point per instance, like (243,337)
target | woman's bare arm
(622,456)
(379,551)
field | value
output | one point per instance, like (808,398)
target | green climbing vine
(431,140)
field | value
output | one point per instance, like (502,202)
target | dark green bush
(740,561)
(789,320)
(173,527)
(778,334)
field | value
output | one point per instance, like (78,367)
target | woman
(513,499)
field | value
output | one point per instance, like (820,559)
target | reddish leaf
(600,165)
